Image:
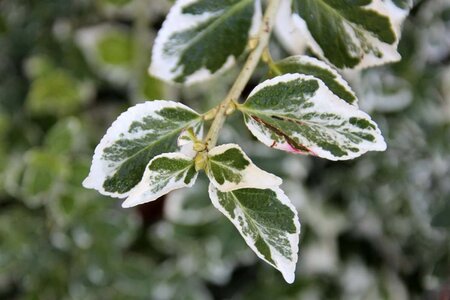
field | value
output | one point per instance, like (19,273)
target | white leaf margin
(252,176)
(288,34)
(161,66)
(305,59)
(285,266)
(101,169)
(142,192)
(326,100)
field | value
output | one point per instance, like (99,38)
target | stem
(245,75)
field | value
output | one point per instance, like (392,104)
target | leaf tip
(289,276)
(127,203)
(381,145)
(87,183)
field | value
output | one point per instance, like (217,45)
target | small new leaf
(137,136)
(298,113)
(267,221)
(229,168)
(351,34)
(164,173)
(203,37)
(311,66)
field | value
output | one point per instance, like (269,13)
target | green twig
(244,76)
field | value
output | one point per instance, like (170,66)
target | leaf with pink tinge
(298,113)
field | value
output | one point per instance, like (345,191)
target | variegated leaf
(203,37)
(229,168)
(356,34)
(311,66)
(164,173)
(298,113)
(267,221)
(137,136)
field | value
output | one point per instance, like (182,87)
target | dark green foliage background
(372,228)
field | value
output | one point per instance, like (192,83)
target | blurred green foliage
(373,228)
(116,49)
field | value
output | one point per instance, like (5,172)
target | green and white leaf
(229,168)
(164,173)
(137,136)
(267,221)
(299,114)
(201,38)
(357,34)
(311,66)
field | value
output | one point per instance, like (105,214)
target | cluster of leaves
(368,219)
(307,107)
